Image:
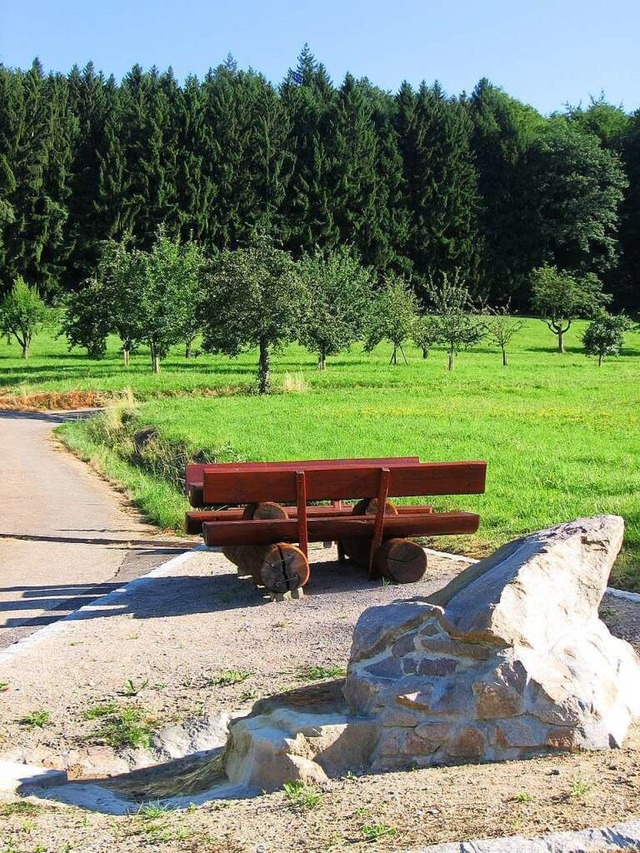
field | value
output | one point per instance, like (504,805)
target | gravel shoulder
(161,647)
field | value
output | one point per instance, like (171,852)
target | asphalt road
(66,537)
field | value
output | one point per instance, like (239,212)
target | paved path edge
(98,604)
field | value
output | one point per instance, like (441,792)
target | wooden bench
(259,536)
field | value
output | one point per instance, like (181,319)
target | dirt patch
(52,401)
(199,641)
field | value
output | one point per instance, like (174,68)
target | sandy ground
(65,536)
(170,637)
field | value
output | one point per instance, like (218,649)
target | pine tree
(503,131)
(628,286)
(441,181)
(84,230)
(308,98)
(35,131)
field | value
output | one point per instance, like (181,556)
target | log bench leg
(398,560)
(280,568)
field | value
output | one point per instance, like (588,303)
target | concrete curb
(619,836)
(108,600)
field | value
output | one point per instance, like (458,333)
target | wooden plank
(257,532)
(195,470)
(195,520)
(428,478)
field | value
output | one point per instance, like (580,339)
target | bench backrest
(195,470)
(341,482)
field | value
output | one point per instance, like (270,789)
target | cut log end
(284,568)
(400,560)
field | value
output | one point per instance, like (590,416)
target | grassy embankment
(561,436)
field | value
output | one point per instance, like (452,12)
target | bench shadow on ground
(162,597)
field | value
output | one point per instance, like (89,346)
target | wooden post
(378,530)
(301,501)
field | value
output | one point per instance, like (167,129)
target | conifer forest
(417,182)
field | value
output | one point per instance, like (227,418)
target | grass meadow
(560,435)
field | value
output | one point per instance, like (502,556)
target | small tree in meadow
(458,327)
(22,314)
(339,287)
(425,333)
(254,297)
(88,319)
(560,297)
(605,335)
(150,297)
(392,316)
(501,328)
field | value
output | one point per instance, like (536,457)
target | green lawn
(561,436)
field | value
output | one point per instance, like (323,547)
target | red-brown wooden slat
(256,532)
(195,520)
(195,470)
(429,478)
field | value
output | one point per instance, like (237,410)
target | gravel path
(65,536)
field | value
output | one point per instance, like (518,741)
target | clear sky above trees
(546,53)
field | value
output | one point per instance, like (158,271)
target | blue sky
(544,52)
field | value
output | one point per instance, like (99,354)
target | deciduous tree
(605,335)
(392,316)
(254,296)
(339,288)
(458,327)
(560,297)
(501,327)
(22,314)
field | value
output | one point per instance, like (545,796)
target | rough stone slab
(512,651)
(17,778)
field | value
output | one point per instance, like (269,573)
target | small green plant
(103,709)
(248,695)
(580,787)
(125,728)
(318,673)
(301,796)
(376,831)
(21,807)
(154,810)
(132,689)
(522,797)
(36,719)
(230,676)
(4,685)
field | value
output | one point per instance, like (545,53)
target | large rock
(508,660)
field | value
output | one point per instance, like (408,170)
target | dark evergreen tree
(35,151)
(627,291)
(307,211)
(89,100)
(441,182)
(503,131)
